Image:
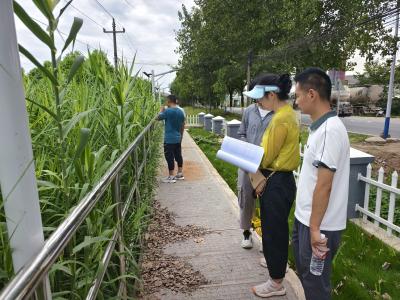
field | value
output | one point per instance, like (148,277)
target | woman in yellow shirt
(281,158)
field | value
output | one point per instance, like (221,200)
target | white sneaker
(179,176)
(247,243)
(263,263)
(269,289)
(169,179)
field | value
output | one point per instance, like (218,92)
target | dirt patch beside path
(159,270)
(386,155)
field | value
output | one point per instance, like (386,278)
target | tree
(285,37)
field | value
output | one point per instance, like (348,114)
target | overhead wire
(129,4)
(106,11)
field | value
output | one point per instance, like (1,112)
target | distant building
(351,80)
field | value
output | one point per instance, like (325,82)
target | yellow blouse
(281,141)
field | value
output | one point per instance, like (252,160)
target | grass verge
(360,267)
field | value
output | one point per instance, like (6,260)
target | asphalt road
(364,125)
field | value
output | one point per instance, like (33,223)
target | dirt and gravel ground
(386,155)
(162,270)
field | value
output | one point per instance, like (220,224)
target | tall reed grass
(83,113)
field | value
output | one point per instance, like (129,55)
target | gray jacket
(253,127)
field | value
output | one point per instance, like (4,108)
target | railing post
(366,195)
(118,212)
(144,159)
(379,196)
(392,202)
(136,162)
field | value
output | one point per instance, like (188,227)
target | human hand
(318,245)
(260,188)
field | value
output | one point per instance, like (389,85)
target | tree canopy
(218,38)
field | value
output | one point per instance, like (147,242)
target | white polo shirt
(328,144)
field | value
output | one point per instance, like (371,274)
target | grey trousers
(246,200)
(315,287)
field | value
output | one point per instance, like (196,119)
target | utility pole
(114,32)
(391,82)
(153,84)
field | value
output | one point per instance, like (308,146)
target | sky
(150,32)
(150,27)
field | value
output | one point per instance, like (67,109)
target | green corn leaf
(132,64)
(60,267)
(84,190)
(128,116)
(45,7)
(75,67)
(63,92)
(89,240)
(53,4)
(83,140)
(90,162)
(110,209)
(44,108)
(73,121)
(33,26)
(76,26)
(29,56)
(114,155)
(78,170)
(47,184)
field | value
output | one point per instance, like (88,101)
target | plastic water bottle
(317,264)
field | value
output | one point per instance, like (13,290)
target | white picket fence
(394,193)
(192,120)
(392,189)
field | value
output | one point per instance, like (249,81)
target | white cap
(234,122)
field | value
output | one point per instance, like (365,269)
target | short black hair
(316,79)
(172,98)
(282,81)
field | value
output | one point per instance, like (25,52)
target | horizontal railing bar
(26,280)
(379,184)
(377,218)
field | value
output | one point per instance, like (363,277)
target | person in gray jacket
(255,121)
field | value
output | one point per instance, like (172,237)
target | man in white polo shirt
(322,190)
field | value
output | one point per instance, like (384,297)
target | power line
(77,9)
(127,38)
(104,8)
(129,4)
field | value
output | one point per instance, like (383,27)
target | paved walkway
(204,199)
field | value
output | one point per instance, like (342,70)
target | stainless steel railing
(32,275)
